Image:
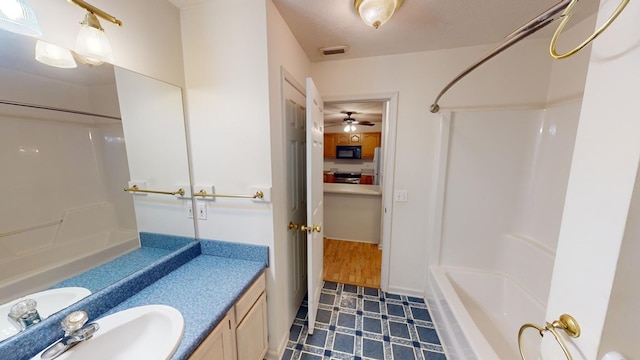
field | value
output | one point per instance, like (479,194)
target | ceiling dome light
(347,128)
(92,42)
(18,17)
(54,55)
(376,12)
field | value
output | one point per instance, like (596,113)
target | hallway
(354,263)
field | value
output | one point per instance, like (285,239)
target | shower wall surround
(61,179)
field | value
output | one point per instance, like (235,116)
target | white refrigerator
(377,166)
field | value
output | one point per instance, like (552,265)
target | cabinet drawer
(249,298)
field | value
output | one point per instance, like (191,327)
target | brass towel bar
(28,228)
(257,195)
(136,189)
(566,323)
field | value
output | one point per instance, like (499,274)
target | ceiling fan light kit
(376,12)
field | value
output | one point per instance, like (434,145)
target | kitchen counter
(352,212)
(203,280)
(354,189)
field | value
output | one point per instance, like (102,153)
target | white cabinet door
(251,333)
(219,344)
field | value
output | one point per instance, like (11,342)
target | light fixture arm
(94,10)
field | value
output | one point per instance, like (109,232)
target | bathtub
(478,312)
(39,258)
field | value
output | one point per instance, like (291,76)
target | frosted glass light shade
(18,17)
(376,12)
(92,42)
(54,55)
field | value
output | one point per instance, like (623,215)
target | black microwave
(348,152)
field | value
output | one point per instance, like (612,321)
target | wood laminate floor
(354,263)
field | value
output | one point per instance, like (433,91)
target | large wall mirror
(71,141)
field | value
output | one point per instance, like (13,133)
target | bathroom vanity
(242,333)
(218,287)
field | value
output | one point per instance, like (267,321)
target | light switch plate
(400,195)
(201,208)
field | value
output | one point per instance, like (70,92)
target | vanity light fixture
(92,43)
(54,55)
(376,12)
(17,16)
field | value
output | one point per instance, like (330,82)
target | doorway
(293,106)
(380,109)
(352,192)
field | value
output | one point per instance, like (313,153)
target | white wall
(225,54)
(148,41)
(601,182)
(418,77)
(619,333)
(284,52)
(233,56)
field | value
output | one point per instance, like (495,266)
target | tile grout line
(398,327)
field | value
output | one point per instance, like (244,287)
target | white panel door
(296,195)
(315,159)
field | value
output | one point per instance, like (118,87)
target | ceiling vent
(335,50)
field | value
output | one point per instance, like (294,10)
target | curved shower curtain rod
(537,23)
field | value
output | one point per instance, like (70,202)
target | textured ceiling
(362,111)
(418,25)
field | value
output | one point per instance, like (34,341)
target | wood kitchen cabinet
(330,145)
(348,138)
(366,179)
(242,333)
(370,141)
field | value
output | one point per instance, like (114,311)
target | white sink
(49,302)
(145,332)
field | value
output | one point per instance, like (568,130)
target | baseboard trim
(277,354)
(405,291)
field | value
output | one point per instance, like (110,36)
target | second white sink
(49,302)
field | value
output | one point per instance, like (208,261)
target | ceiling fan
(349,121)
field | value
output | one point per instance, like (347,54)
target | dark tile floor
(355,322)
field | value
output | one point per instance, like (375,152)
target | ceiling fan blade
(363,123)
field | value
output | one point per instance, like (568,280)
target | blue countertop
(203,280)
(203,290)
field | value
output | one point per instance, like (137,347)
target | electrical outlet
(400,195)
(189,208)
(201,208)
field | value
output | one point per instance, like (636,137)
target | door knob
(310,228)
(293,226)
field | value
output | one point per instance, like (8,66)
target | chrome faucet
(75,332)
(24,314)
